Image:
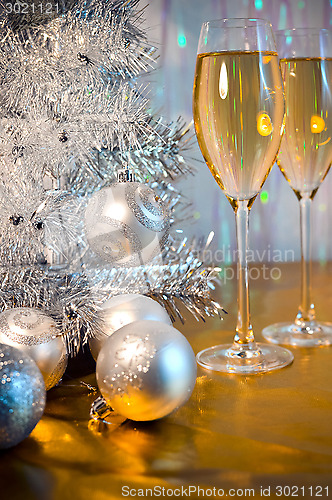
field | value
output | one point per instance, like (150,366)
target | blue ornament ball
(22,396)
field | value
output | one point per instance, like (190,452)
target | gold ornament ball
(122,310)
(35,333)
(145,370)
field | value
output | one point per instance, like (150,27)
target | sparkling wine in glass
(304,158)
(238,107)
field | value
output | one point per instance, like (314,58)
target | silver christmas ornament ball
(35,333)
(121,310)
(22,396)
(126,224)
(145,370)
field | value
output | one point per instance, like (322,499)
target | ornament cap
(100,409)
(126,175)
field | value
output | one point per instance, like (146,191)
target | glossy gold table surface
(238,434)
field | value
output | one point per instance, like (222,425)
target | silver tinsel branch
(89,48)
(180,280)
(21,286)
(25,75)
(67,88)
(75,306)
(94,42)
(161,152)
(161,158)
(67,298)
(77,124)
(72,113)
(186,280)
(57,113)
(35,221)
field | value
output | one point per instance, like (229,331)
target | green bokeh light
(182,41)
(258,4)
(264,197)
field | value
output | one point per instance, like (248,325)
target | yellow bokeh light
(317,124)
(266,59)
(264,124)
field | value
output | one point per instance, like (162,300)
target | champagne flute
(238,108)
(304,158)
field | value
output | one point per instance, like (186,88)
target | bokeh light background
(174,26)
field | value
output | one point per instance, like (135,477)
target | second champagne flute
(305,158)
(238,107)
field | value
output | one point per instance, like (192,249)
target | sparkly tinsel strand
(163,156)
(67,298)
(94,43)
(180,279)
(161,151)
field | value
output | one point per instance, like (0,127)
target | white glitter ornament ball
(126,224)
(146,370)
(22,395)
(123,309)
(35,333)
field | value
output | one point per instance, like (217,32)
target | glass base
(246,359)
(313,334)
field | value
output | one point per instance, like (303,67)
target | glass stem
(244,334)
(306,310)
